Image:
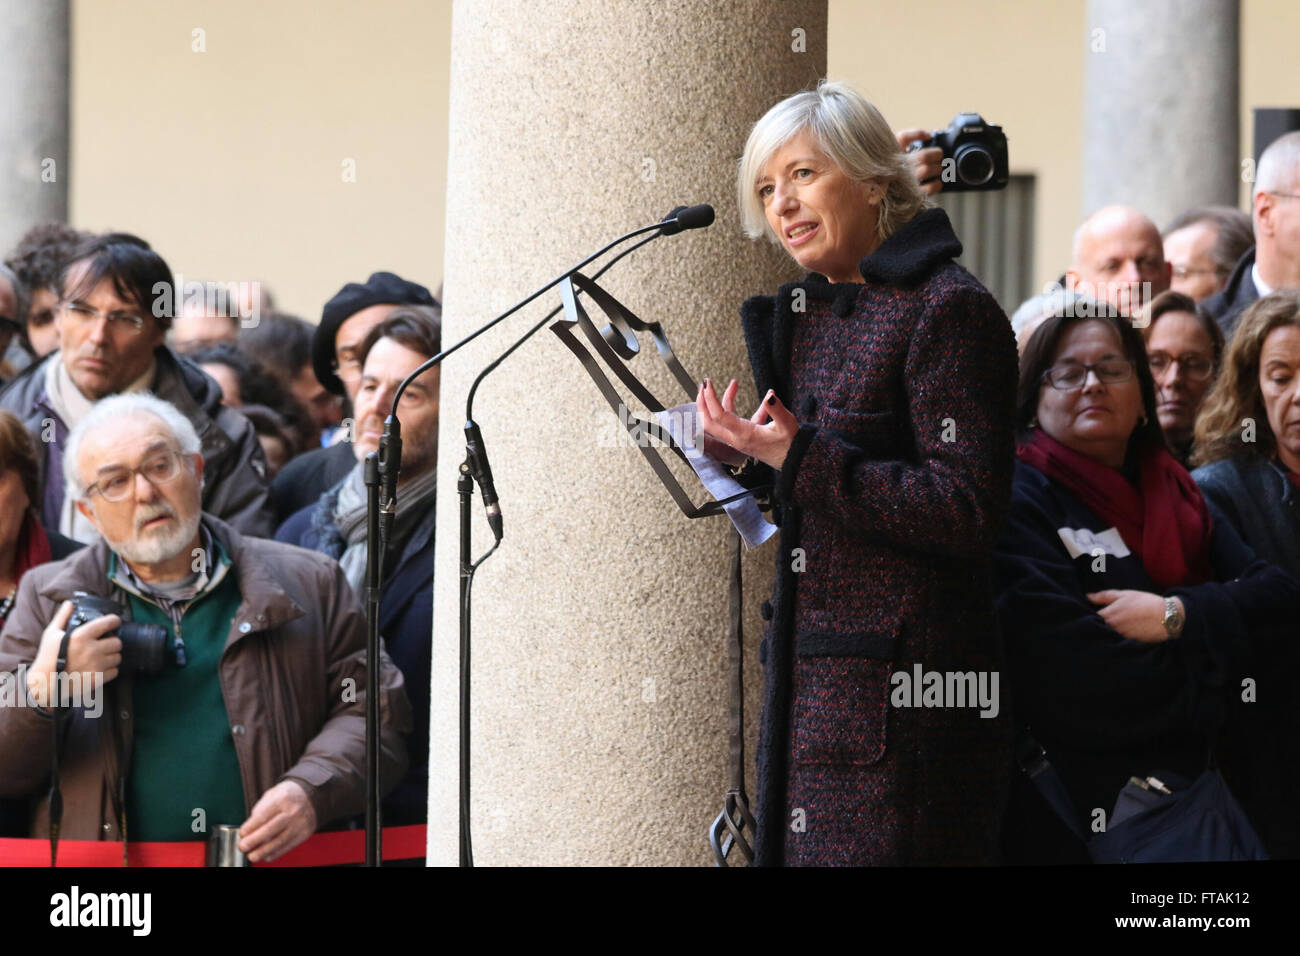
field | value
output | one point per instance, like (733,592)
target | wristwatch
(1174,619)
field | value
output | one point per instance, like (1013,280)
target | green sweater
(184,774)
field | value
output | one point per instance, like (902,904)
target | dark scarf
(338,521)
(1164,520)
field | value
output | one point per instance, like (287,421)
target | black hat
(382,288)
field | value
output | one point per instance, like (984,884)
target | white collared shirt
(1260,285)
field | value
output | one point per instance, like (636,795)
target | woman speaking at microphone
(886,381)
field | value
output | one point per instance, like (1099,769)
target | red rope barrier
(323,849)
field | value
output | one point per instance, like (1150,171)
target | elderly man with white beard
(255,714)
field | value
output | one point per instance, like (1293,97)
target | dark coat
(303,480)
(1236,297)
(893,491)
(1264,507)
(234,467)
(1105,707)
(406,626)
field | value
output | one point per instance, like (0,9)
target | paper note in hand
(682,423)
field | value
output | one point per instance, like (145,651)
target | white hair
(1279,165)
(851,132)
(1054,301)
(115,408)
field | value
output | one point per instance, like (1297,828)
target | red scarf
(33,547)
(1165,523)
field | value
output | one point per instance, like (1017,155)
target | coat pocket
(853,424)
(882,434)
(841,705)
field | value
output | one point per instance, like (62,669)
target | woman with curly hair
(1248,434)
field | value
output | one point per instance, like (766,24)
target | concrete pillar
(1160,105)
(33,116)
(599,625)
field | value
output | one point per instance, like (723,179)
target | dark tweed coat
(895,490)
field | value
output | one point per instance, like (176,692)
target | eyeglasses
(1110,372)
(116,485)
(1197,368)
(128,322)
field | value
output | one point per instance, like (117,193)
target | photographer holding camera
(235,695)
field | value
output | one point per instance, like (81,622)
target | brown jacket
(298,635)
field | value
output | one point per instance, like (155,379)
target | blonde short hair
(852,133)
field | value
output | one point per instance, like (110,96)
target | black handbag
(1161,819)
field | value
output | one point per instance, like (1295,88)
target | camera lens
(974,165)
(144,647)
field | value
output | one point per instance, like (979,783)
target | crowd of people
(964,498)
(196,457)
(977,495)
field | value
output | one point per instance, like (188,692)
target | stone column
(599,625)
(1160,105)
(33,116)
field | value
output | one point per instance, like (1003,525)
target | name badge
(1079,541)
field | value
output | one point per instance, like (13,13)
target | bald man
(1119,259)
(1274,261)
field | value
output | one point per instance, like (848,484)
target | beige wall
(1268,67)
(230,161)
(925,61)
(1021,63)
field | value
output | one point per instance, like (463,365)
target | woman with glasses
(1184,346)
(1130,611)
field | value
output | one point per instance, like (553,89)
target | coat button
(124,714)
(245,628)
(237,730)
(808,406)
(843,305)
(765,609)
(762,651)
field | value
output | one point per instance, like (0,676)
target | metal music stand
(613,347)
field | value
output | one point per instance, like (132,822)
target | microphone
(390,463)
(476,452)
(686,217)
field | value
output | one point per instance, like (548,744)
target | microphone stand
(381,509)
(374,575)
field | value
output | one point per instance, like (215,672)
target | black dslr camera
(974,154)
(144,646)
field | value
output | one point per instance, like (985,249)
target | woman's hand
(1138,615)
(768,442)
